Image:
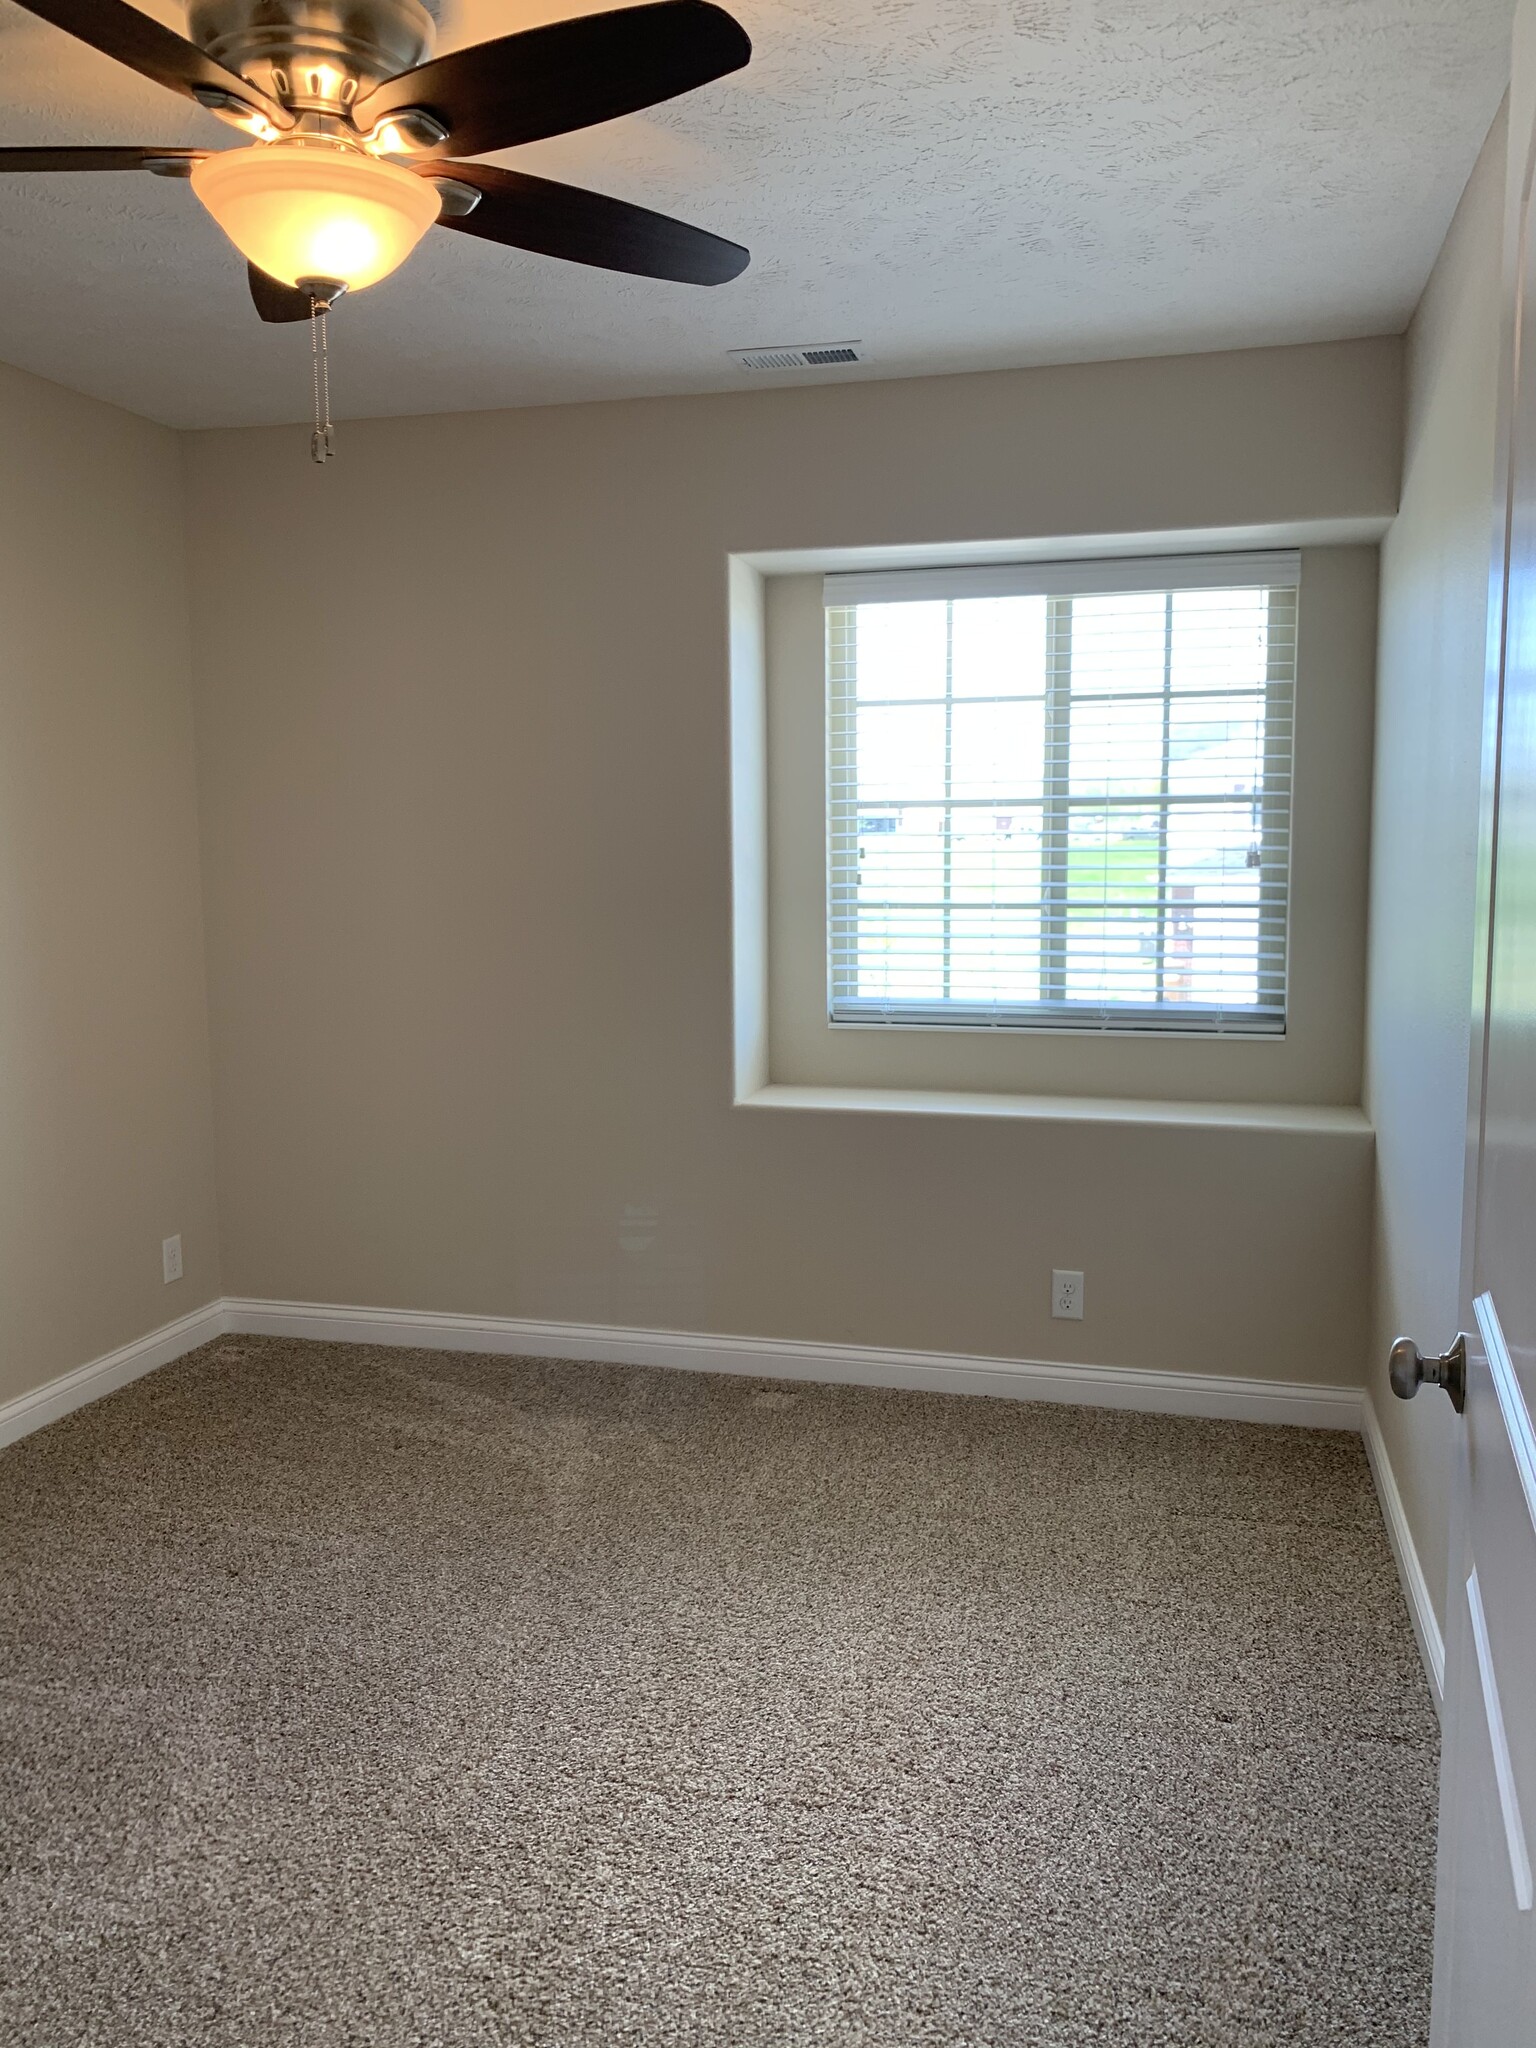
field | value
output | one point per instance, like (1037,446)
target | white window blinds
(1059,794)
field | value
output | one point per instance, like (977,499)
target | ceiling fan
(350,119)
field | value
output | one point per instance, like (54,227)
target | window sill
(1315,1119)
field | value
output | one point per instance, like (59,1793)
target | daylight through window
(1059,795)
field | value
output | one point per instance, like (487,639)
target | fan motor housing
(313,55)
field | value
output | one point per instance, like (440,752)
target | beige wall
(105,1126)
(1434,590)
(466,839)
(1317,1060)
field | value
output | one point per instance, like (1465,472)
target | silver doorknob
(1408,1369)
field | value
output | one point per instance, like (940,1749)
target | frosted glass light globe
(308,208)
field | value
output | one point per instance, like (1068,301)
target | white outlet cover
(170,1258)
(1066,1296)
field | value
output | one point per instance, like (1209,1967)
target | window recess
(1059,794)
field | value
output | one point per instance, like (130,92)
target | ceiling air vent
(813,356)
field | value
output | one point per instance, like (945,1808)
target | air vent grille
(812,356)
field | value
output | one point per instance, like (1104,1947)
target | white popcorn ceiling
(960,184)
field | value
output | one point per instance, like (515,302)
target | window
(1059,794)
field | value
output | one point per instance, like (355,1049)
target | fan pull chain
(322,442)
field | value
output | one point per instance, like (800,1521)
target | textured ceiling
(961,184)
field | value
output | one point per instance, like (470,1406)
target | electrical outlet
(1067,1295)
(170,1258)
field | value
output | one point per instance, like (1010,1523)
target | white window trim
(788,1059)
(1064,579)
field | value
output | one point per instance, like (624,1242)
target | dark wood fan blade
(570,74)
(103,159)
(586,227)
(275,301)
(136,39)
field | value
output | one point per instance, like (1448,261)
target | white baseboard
(104,1375)
(1421,1608)
(1307,1404)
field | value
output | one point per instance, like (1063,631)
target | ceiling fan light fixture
(317,209)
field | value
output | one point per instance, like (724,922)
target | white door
(1485,1928)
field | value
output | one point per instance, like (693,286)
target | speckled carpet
(354,1696)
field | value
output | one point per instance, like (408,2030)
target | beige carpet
(358,1696)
